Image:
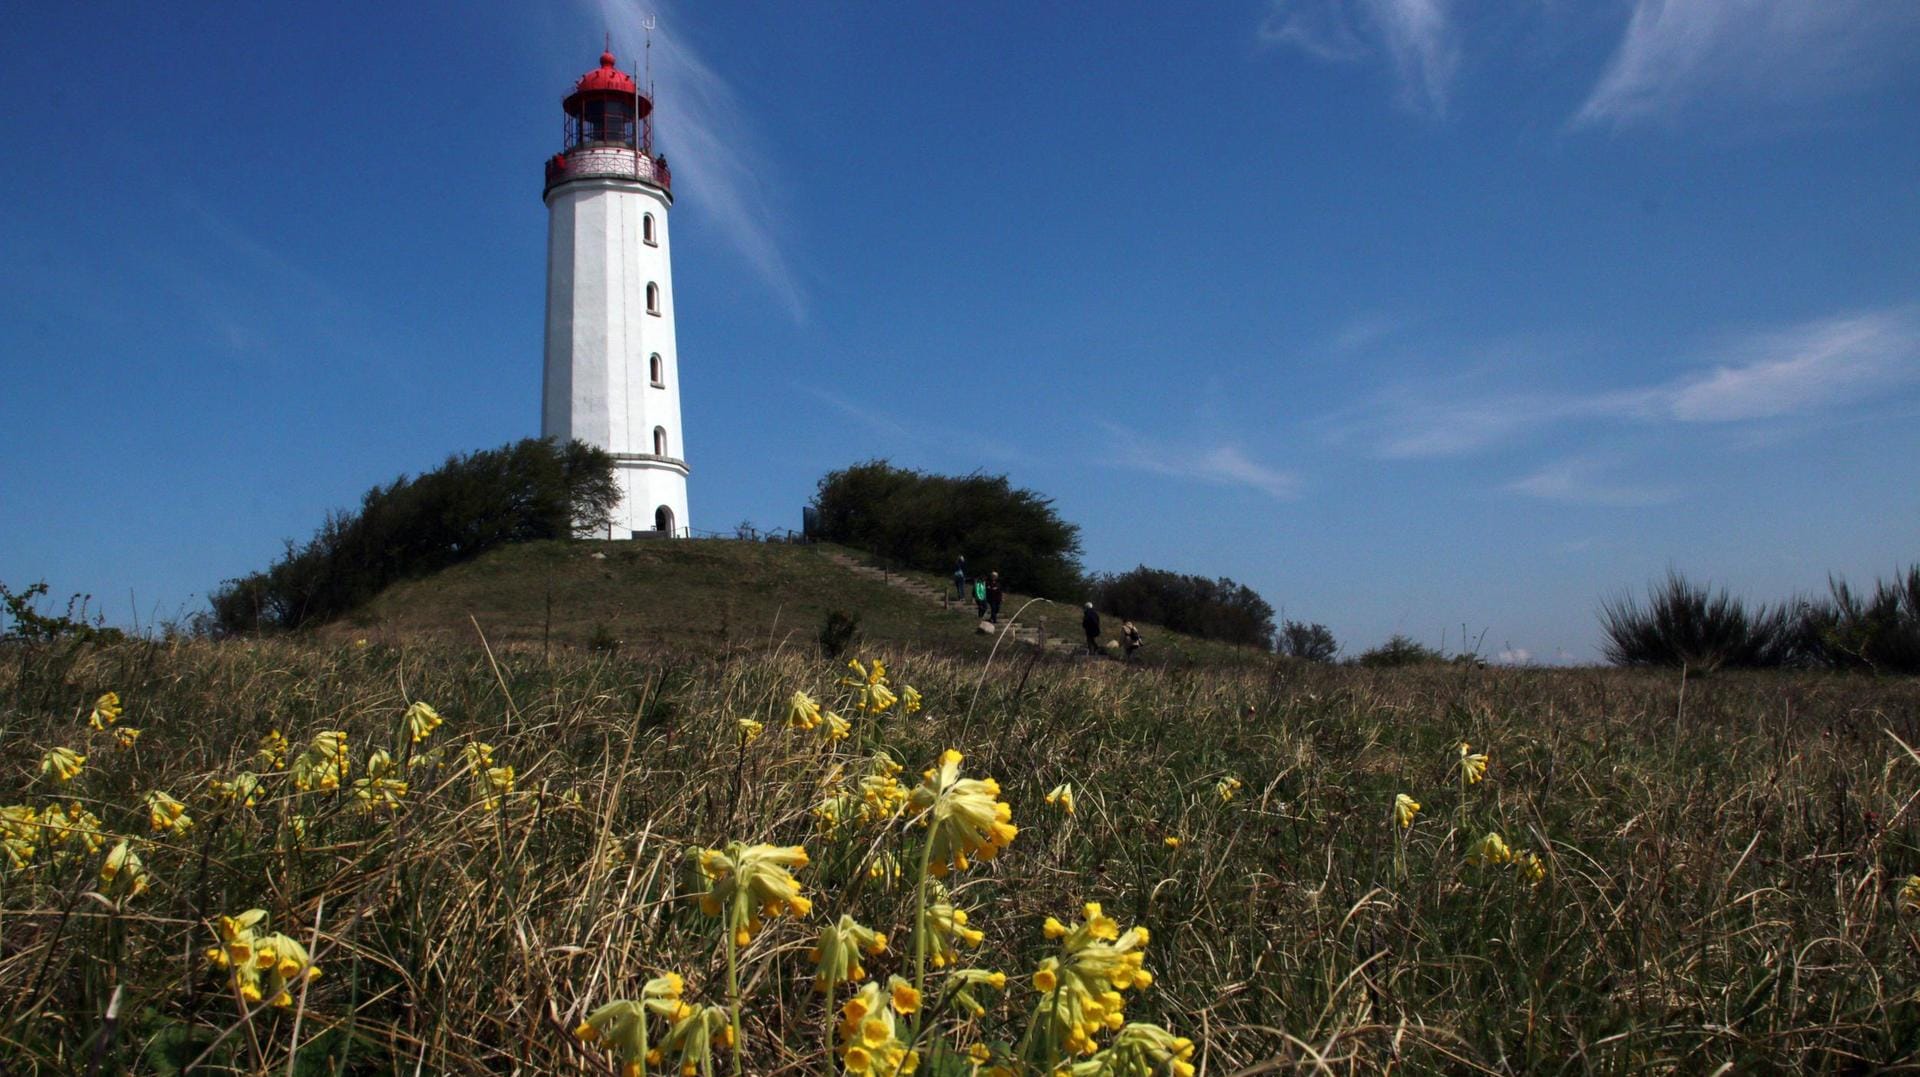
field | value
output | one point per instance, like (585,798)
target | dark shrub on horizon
(1684,624)
(1400,651)
(1210,609)
(1312,642)
(915,520)
(1854,630)
(531,489)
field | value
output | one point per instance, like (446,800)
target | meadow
(527,859)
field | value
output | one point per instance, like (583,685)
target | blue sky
(1412,314)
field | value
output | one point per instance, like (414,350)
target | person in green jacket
(980,597)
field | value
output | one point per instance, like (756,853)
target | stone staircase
(917,585)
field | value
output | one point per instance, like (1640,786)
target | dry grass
(1721,886)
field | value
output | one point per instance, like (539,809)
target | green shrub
(1684,624)
(839,633)
(1312,642)
(1400,651)
(532,489)
(915,520)
(1878,632)
(27,624)
(1210,609)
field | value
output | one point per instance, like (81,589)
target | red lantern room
(606,107)
(609,130)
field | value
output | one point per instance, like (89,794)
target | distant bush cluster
(927,522)
(532,489)
(1210,609)
(1687,624)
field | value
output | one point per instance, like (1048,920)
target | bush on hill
(1400,651)
(1210,609)
(1855,630)
(532,489)
(927,522)
(1312,642)
(1691,625)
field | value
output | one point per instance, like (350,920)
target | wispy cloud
(1418,38)
(1805,369)
(1584,481)
(1678,54)
(1222,465)
(708,136)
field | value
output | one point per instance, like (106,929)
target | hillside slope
(694,594)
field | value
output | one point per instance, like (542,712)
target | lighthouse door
(663,520)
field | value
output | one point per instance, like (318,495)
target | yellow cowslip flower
(72,829)
(479,756)
(875,695)
(286,964)
(167,815)
(904,997)
(61,764)
(273,751)
(980,1054)
(1061,796)
(19,833)
(802,711)
(946,927)
(868,1035)
(749,730)
(1080,990)
(1532,869)
(1139,1048)
(262,966)
(910,699)
(747,882)
(834,727)
(961,985)
(244,789)
(884,867)
(126,735)
(379,791)
(690,1041)
(1489,850)
(106,711)
(422,720)
(122,875)
(836,957)
(1472,767)
(963,815)
(832,813)
(1910,894)
(495,784)
(620,1025)
(1171,842)
(1404,809)
(1228,788)
(19,852)
(323,765)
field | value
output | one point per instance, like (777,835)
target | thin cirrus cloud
(1680,54)
(1221,465)
(1815,366)
(1585,481)
(1418,38)
(704,128)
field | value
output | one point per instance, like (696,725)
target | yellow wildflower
(262,966)
(869,1034)
(835,728)
(1061,796)
(1171,842)
(126,735)
(802,711)
(19,833)
(1489,850)
(962,983)
(620,1025)
(904,996)
(72,829)
(273,751)
(379,791)
(749,730)
(122,875)
(1910,894)
(910,699)
(1081,988)
(963,815)
(61,764)
(1141,1048)
(747,882)
(1404,809)
(479,756)
(106,710)
(836,956)
(1531,868)
(946,927)
(496,783)
(323,765)
(691,1038)
(167,815)
(422,720)
(1472,767)
(875,695)
(1228,788)
(244,789)
(19,851)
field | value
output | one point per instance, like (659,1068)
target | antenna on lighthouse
(647,24)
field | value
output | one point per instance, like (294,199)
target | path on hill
(1015,632)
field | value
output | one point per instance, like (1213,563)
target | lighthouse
(612,367)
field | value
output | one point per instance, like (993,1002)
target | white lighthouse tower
(612,369)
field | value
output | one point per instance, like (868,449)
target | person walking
(980,597)
(1130,639)
(960,580)
(994,595)
(1090,622)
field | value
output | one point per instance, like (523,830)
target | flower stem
(733,994)
(920,931)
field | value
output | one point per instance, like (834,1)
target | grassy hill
(698,595)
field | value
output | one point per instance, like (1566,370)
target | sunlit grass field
(1689,879)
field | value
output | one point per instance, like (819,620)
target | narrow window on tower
(653,299)
(659,441)
(646,230)
(658,371)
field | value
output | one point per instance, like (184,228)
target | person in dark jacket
(1090,621)
(960,580)
(994,595)
(980,597)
